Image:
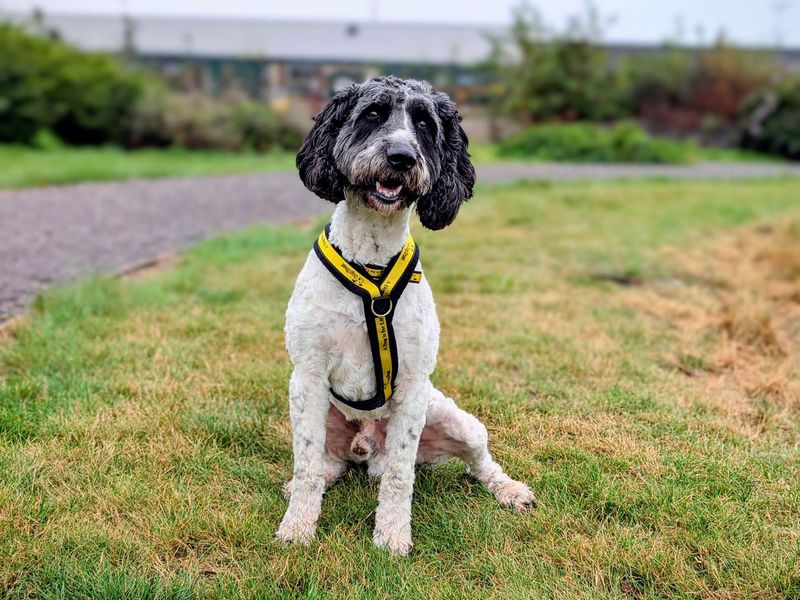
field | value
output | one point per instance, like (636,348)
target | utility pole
(128,32)
(779,9)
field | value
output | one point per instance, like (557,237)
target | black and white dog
(376,150)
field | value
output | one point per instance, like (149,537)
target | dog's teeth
(390,192)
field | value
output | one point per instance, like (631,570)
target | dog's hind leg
(452,432)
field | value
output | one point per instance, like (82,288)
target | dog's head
(388,143)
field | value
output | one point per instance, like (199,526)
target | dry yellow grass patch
(735,309)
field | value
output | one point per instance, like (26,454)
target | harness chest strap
(379,290)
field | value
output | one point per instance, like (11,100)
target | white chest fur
(326,331)
(325,324)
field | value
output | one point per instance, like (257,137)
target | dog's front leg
(393,516)
(308,407)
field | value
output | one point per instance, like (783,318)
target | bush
(545,75)
(579,142)
(771,120)
(263,130)
(660,80)
(196,121)
(698,91)
(83,98)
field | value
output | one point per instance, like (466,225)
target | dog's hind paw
(516,495)
(299,531)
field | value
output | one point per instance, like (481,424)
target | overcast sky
(754,22)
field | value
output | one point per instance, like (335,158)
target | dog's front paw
(296,530)
(397,541)
(516,495)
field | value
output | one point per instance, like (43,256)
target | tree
(547,75)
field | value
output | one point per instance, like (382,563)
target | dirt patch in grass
(8,327)
(151,268)
(734,306)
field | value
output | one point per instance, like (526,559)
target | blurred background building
(505,77)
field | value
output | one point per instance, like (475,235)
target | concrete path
(60,234)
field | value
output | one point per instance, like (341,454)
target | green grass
(24,166)
(144,434)
(484,153)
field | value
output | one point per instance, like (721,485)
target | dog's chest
(325,325)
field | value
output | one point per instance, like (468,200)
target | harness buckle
(375,311)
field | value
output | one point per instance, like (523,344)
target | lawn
(632,347)
(490,153)
(22,167)
(30,167)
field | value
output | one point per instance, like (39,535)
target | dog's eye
(373,115)
(422,124)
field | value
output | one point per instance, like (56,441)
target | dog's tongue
(388,190)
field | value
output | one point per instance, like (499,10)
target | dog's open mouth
(387,196)
(387,192)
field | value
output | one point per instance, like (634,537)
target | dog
(377,150)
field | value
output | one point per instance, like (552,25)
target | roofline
(493,28)
(199,56)
(232,19)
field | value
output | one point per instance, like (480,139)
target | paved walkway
(60,234)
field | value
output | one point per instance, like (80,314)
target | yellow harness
(379,289)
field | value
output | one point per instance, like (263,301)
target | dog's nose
(401,157)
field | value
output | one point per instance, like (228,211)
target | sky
(750,22)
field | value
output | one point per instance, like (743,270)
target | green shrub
(581,142)
(197,121)
(661,79)
(695,90)
(772,120)
(83,98)
(51,91)
(540,73)
(545,75)
(263,130)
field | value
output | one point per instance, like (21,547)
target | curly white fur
(327,340)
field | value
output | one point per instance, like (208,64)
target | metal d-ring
(376,313)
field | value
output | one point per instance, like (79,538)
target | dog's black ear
(315,161)
(438,208)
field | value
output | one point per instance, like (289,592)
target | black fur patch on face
(454,183)
(315,163)
(348,148)
(427,126)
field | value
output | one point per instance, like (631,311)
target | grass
(632,348)
(24,166)
(486,153)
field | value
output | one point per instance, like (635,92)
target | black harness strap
(379,293)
